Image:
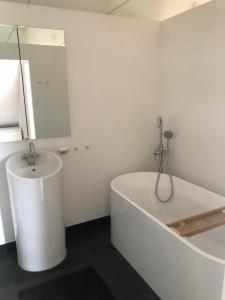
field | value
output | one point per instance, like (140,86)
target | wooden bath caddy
(199,223)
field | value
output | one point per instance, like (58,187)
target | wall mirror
(33,84)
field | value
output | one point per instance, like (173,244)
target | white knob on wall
(63,150)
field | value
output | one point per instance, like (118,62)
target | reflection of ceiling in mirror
(34,36)
(153,9)
(41,36)
(8,34)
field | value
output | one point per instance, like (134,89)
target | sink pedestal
(35,195)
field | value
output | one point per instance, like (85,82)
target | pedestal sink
(35,196)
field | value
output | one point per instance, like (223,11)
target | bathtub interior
(188,200)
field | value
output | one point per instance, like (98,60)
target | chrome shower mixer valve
(162,153)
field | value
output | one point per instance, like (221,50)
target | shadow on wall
(6,228)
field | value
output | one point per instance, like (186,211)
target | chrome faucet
(31,156)
(163,153)
(160,150)
(160,126)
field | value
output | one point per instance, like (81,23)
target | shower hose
(163,162)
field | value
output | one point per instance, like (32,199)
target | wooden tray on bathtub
(199,223)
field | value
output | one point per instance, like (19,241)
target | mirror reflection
(33,84)
(45,86)
(13,125)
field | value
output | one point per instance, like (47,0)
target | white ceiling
(99,6)
(154,9)
(157,9)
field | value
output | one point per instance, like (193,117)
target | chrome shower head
(168,134)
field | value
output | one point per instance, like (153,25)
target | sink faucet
(31,156)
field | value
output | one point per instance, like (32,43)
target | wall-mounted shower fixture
(168,135)
(162,153)
(160,149)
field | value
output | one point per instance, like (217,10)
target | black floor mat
(82,285)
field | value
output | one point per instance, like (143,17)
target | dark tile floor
(87,245)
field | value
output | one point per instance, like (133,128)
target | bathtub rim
(169,230)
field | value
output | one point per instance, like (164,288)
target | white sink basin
(35,196)
(48,164)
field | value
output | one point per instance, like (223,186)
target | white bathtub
(176,268)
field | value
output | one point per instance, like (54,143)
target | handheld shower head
(168,134)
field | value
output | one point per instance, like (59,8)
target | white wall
(112,79)
(192,98)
